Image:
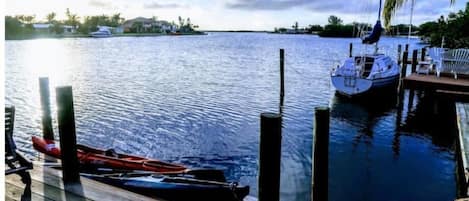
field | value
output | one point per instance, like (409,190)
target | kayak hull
(96,157)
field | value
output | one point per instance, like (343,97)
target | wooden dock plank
(47,185)
(462,111)
(15,192)
(47,191)
(432,82)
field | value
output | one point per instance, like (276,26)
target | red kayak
(108,158)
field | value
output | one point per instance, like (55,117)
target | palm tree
(50,17)
(390,8)
(72,19)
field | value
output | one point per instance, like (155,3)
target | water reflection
(378,147)
(363,112)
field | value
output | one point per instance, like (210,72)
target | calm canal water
(196,100)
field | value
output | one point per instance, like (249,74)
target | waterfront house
(46,27)
(146,25)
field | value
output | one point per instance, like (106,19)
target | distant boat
(361,74)
(101,33)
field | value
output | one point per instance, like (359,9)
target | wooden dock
(46,184)
(432,82)
(462,111)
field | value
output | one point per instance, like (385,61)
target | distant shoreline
(38,36)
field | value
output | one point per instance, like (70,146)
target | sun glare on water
(48,58)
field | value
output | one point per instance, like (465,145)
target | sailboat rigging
(363,73)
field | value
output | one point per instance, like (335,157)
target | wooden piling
(422,56)
(414,61)
(407,47)
(269,157)
(399,51)
(405,56)
(350,50)
(47,131)
(66,121)
(282,78)
(321,154)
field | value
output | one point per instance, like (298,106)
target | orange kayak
(107,158)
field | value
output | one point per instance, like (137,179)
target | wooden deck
(432,82)
(46,184)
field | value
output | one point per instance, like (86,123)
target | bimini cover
(375,34)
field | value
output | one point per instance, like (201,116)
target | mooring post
(321,154)
(399,51)
(350,49)
(269,157)
(414,60)
(405,56)
(407,47)
(47,131)
(68,144)
(282,68)
(424,52)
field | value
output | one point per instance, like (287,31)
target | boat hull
(96,157)
(177,189)
(99,36)
(353,86)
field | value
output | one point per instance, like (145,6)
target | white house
(45,27)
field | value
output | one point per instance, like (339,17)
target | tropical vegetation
(23,26)
(454,28)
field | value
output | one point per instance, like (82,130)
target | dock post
(405,56)
(68,144)
(414,61)
(47,131)
(269,157)
(321,154)
(399,51)
(282,68)
(407,47)
(350,48)
(424,52)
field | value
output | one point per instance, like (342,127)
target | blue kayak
(174,188)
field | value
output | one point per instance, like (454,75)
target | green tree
(314,28)
(334,20)
(295,26)
(50,17)
(116,20)
(57,28)
(13,27)
(72,19)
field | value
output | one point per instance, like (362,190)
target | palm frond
(390,8)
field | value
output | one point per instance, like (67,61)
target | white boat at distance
(361,74)
(101,33)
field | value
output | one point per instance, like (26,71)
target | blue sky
(236,14)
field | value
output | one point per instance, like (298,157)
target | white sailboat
(363,73)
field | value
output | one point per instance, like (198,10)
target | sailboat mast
(379,13)
(410,23)
(379,18)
